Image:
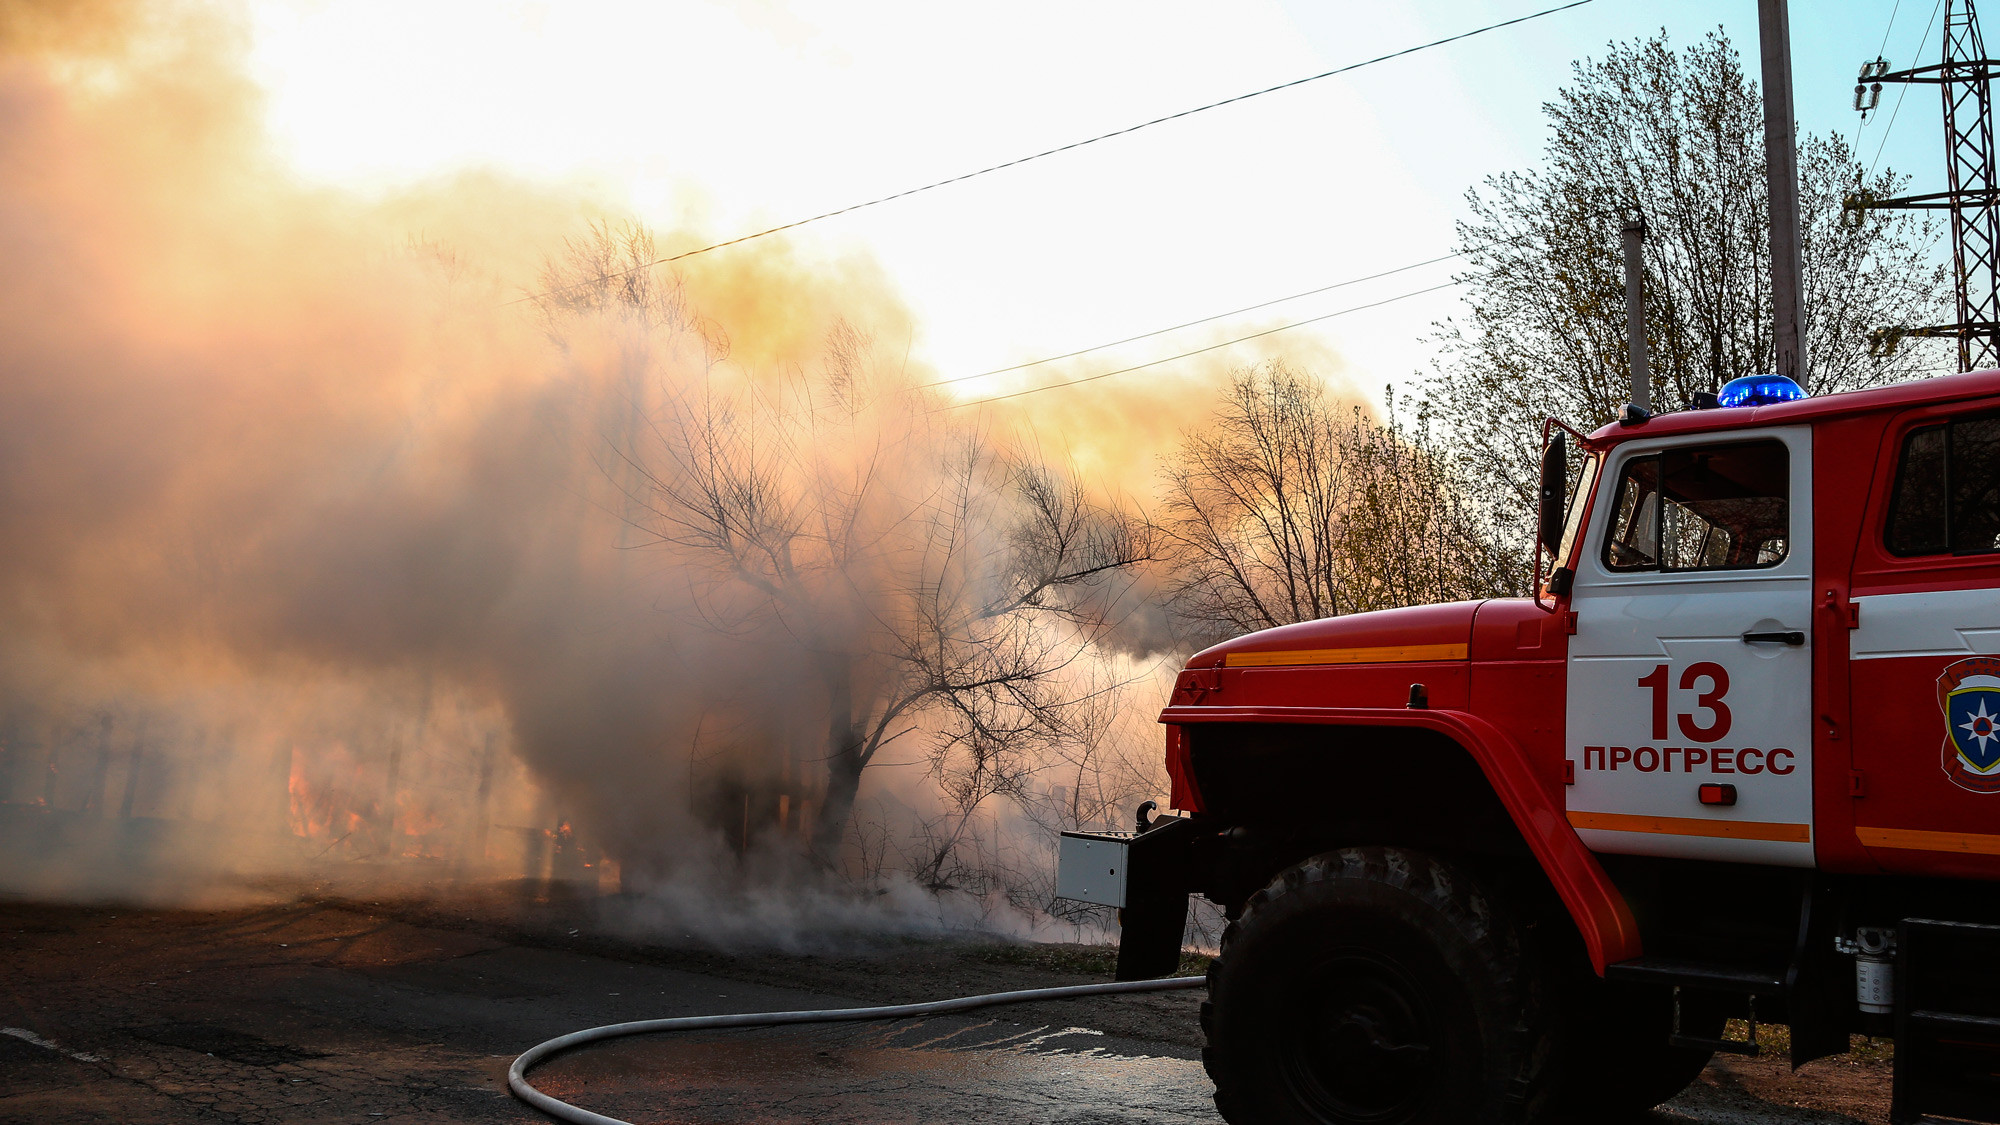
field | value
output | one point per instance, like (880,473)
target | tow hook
(1145,816)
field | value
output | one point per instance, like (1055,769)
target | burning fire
(323,788)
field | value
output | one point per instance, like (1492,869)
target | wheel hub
(1359,1044)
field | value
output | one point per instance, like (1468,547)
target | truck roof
(1917,392)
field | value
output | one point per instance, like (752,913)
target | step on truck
(1738,759)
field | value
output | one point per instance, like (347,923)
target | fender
(1609,932)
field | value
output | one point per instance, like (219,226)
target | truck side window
(1972,466)
(1708,507)
(1947,494)
(1916,515)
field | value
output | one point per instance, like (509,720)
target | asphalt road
(319,1012)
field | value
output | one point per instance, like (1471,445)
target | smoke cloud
(302,519)
(326,551)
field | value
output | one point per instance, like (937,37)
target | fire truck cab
(1523,859)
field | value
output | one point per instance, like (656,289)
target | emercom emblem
(1969,696)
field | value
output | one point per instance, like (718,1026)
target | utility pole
(1781,164)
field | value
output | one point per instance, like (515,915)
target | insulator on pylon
(1868,94)
(1883,342)
(1854,209)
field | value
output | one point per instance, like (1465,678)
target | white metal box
(1090,867)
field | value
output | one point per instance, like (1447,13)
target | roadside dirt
(1852,1087)
(879,970)
(343,1008)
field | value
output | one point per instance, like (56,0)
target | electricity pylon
(1964,76)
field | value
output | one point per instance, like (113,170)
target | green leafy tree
(1677,137)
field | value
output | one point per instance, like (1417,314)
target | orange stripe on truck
(1917,840)
(1390,655)
(1694,826)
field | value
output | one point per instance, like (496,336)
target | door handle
(1784,637)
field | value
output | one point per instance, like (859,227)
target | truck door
(1925,655)
(1689,710)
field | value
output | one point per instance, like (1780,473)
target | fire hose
(517,1075)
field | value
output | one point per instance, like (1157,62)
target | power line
(1891,27)
(1198,351)
(1904,92)
(1188,324)
(1060,149)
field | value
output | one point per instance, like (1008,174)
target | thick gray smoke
(320,553)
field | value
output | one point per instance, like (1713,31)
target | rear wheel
(1373,986)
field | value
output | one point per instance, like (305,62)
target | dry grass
(1776,1039)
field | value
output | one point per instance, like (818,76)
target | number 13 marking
(1710,701)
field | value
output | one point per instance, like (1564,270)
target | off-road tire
(1616,1062)
(1375,985)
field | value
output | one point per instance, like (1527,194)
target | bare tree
(1254,503)
(1412,534)
(1288,507)
(941,586)
(609,270)
(1096,779)
(1676,137)
(1093,781)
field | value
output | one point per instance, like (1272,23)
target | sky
(714,118)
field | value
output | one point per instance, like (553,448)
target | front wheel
(1373,986)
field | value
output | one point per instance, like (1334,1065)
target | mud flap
(1154,918)
(1820,986)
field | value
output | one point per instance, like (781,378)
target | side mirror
(1555,475)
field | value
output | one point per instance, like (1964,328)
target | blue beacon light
(1759,390)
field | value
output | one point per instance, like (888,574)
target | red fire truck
(1524,859)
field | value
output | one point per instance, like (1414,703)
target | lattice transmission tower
(1964,75)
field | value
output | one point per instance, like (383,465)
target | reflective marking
(1390,655)
(1918,840)
(1694,826)
(1927,623)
